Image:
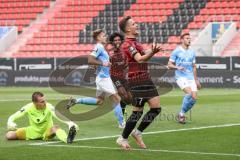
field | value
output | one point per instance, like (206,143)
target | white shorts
(184,83)
(105,87)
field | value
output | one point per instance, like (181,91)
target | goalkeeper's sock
(118,113)
(87,100)
(185,103)
(61,135)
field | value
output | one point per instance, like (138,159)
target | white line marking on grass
(64,97)
(146,133)
(148,150)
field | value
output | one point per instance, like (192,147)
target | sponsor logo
(211,66)
(4,67)
(34,66)
(236,79)
(237,65)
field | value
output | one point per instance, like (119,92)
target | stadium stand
(107,19)
(60,37)
(21,12)
(161,21)
(3,31)
(226,10)
(233,48)
(220,11)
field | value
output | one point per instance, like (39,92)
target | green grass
(214,107)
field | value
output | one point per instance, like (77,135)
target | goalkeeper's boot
(71,134)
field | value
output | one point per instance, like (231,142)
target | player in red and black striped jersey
(142,88)
(118,69)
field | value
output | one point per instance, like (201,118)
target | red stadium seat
(61,35)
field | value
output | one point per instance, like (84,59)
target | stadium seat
(162,19)
(217,11)
(21,13)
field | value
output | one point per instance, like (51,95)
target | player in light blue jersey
(183,60)
(105,87)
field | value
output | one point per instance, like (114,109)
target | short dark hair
(96,33)
(123,23)
(184,34)
(35,95)
(114,35)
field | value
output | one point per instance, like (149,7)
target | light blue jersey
(186,59)
(101,54)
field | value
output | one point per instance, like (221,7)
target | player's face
(117,42)
(102,38)
(186,40)
(133,27)
(41,102)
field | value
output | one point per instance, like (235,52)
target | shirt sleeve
(96,51)
(173,56)
(53,112)
(132,50)
(19,114)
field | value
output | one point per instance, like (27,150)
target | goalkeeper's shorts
(29,133)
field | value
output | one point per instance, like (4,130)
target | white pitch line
(149,150)
(167,95)
(146,133)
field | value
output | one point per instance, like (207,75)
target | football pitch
(212,130)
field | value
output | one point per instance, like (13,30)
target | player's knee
(8,136)
(99,101)
(194,96)
(11,135)
(155,101)
(115,98)
(54,128)
(137,109)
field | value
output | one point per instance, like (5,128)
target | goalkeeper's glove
(11,126)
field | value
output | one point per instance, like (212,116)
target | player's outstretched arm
(11,125)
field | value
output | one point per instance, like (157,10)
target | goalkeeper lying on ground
(40,114)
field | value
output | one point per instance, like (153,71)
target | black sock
(123,106)
(148,118)
(131,123)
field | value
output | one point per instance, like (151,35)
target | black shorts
(142,92)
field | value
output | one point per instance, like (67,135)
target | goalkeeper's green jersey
(39,119)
